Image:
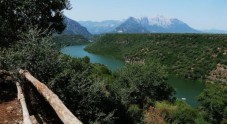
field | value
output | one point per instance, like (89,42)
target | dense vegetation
(17,15)
(67,40)
(185,55)
(136,93)
(96,98)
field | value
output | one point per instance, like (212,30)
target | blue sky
(199,14)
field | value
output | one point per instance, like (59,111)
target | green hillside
(185,55)
(67,40)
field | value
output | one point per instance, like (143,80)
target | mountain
(73,27)
(157,24)
(100,27)
(131,25)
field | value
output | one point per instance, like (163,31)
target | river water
(185,89)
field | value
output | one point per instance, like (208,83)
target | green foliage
(179,113)
(139,86)
(186,55)
(68,40)
(135,112)
(17,15)
(214,103)
(183,115)
(33,53)
(84,97)
(88,90)
(71,79)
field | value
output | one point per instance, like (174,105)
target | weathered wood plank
(26,117)
(62,111)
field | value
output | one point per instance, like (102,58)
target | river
(185,89)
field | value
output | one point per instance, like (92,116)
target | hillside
(186,55)
(66,40)
(74,28)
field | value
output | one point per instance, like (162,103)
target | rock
(9,109)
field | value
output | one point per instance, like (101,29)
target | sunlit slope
(185,55)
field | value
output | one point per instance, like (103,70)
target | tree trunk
(62,111)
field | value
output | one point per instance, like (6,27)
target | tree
(141,83)
(214,103)
(139,86)
(70,78)
(17,15)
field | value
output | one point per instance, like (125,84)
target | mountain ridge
(75,28)
(154,25)
(99,27)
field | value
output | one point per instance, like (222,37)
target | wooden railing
(61,110)
(21,98)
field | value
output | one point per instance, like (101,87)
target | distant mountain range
(158,24)
(100,27)
(73,27)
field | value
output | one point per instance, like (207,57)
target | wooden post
(26,117)
(62,111)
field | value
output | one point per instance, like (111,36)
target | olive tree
(17,15)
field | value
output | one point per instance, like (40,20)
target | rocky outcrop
(218,75)
(134,60)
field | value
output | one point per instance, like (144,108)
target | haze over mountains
(101,27)
(157,24)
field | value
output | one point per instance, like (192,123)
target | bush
(139,86)
(179,112)
(33,53)
(214,103)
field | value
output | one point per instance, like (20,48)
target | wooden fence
(61,110)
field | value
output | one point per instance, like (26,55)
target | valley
(185,89)
(113,62)
(192,64)
(190,56)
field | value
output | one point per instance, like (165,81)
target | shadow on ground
(8,90)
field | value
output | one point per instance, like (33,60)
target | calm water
(79,52)
(186,89)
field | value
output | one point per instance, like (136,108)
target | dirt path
(10,108)
(10,112)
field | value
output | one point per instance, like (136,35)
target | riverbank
(185,88)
